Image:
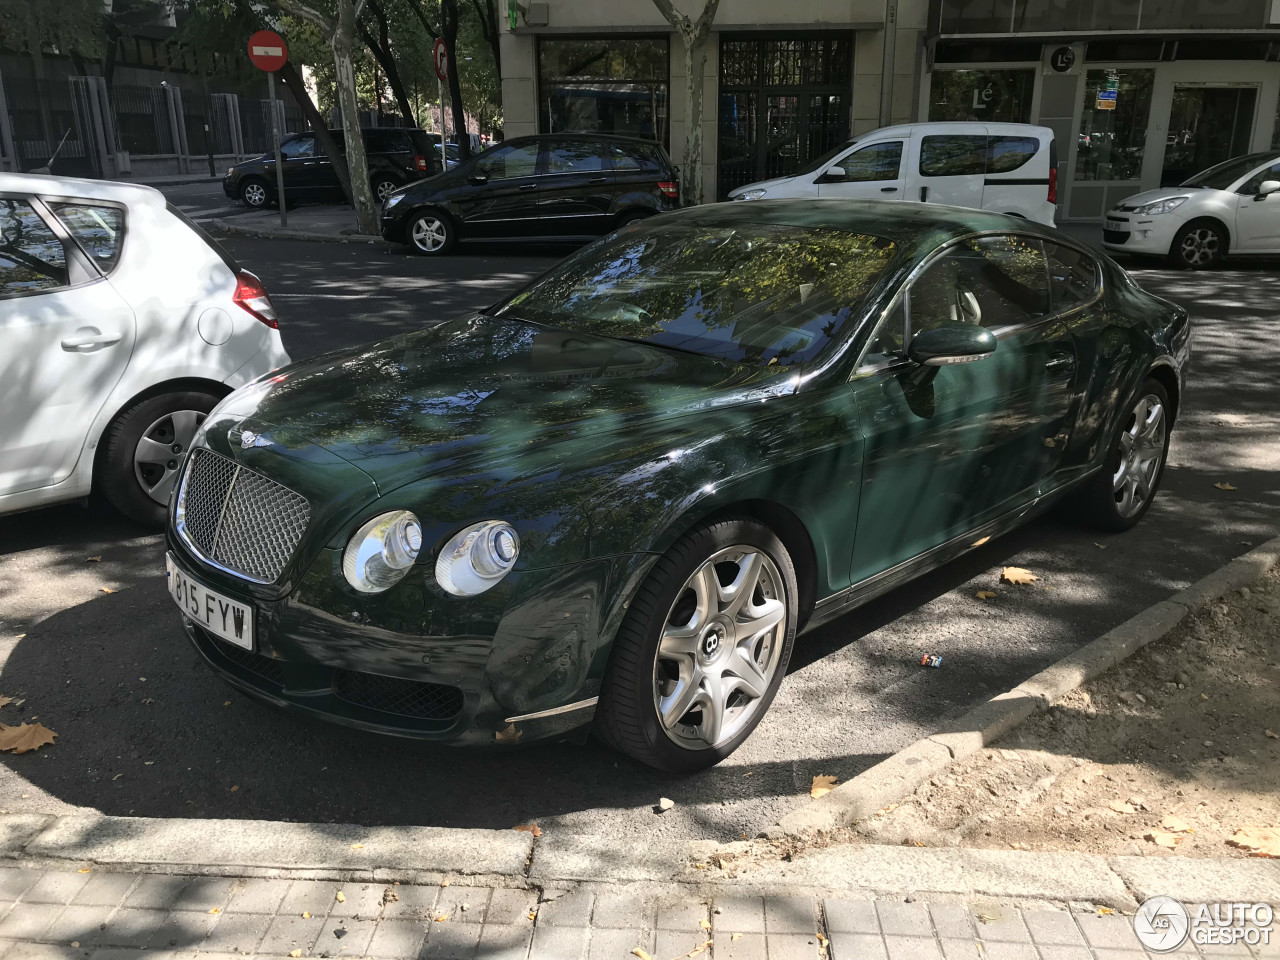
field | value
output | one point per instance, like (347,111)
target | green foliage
(63,26)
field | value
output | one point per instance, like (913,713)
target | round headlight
(382,551)
(750,194)
(477,557)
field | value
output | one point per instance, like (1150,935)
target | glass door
(1206,126)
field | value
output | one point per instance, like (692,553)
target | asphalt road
(145,729)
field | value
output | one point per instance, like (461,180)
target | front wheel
(1120,494)
(254,194)
(431,234)
(703,648)
(143,452)
(1199,244)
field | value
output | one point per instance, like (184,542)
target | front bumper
(1146,235)
(392,225)
(229,187)
(412,666)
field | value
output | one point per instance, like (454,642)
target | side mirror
(477,177)
(832,175)
(954,343)
(1266,188)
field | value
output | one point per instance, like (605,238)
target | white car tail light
(251,295)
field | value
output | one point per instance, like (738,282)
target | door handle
(888,189)
(598,180)
(90,340)
(528,186)
(1060,362)
(924,194)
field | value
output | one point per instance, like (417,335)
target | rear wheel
(1199,244)
(383,187)
(431,234)
(254,193)
(703,649)
(1120,494)
(143,452)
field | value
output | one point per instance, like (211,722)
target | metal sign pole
(275,141)
(444,151)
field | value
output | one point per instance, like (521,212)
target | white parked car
(122,325)
(1001,167)
(1231,207)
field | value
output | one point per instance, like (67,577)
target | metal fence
(43,119)
(142,120)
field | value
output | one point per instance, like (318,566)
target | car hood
(1162,193)
(481,393)
(761,184)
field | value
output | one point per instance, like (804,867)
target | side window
(506,163)
(945,155)
(387,141)
(1009,153)
(1251,187)
(99,230)
(891,337)
(31,257)
(879,161)
(1073,276)
(622,160)
(298,147)
(570,156)
(995,282)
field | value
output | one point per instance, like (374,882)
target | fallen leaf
(1258,841)
(1017,575)
(295,953)
(509,735)
(695,951)
(340,897)
(92,559)
(978,543)
(215,910)
(1175,824)
(641,953)
(822,785)
(1101,546)
(986,595)
(822,941)
(1224,486)
(705,924)
(1160,839)
(665,804)
(445,882)
(226,703)
(306,914)
(532,828)
(987,918)
(736,936)
(1270,733)
(75,943)
(235,787)
(532,915)
(1105,911)
(117,776)
(4,701)
(1204,696)
(357,846)
(1119,806)
(441,917)
(25,737)
(85,870)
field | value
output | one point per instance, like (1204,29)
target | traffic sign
(267,51)
(440,56)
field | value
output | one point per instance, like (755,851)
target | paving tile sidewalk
(117,916)
(333,222)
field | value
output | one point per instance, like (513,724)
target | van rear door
(1020,173)
(950,163)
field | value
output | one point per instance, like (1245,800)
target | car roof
(945,127)
(49,185)
(587,137)
(920,227)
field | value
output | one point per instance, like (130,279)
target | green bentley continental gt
(613,501)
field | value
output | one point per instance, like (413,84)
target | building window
(608,85)
(1112,141)
(997,95)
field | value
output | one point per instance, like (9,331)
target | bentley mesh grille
(407,698)
(239,519)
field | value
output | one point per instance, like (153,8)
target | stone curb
(275,233)
(899,775)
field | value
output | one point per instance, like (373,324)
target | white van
(1001,167)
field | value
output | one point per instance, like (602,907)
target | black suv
(396,156)
(555,186)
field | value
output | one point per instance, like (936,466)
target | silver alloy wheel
(255,194)
(720,648)
(159,454)
(1141,456)
(1200,246)
(384,189)
(429,233)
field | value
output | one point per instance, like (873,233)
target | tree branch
(295,8)
(674,17)
(432,31)
(705,20)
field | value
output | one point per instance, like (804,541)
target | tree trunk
(449,30)
(293,82)
(695,59)
(357,161)
(380,47)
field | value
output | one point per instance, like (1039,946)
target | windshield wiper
(662,346)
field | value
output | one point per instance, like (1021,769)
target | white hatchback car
(1233,207)
(122,325)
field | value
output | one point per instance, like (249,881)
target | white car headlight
(477,557)
(1160,206)
(382,551)
(392,200)
(750,195)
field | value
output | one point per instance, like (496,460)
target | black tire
(256,193)
(382,186)
(434,224)
(120,479)
(628,217)
(1199,244)
(627,717)
(1099,503)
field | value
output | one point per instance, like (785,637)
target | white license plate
(1118,226)
(221,616)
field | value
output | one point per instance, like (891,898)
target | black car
(558,186)
(396,157)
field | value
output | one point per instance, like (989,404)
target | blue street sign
(1106,94)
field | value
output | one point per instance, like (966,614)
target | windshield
(1223,175)
(760,294)
(815,165)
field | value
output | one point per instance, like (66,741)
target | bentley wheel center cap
(712,641)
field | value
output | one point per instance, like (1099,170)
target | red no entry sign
(267,51)
(440,55)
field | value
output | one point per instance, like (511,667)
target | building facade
(1139,93)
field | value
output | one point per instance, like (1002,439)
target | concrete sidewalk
(66,913)
(335,223)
